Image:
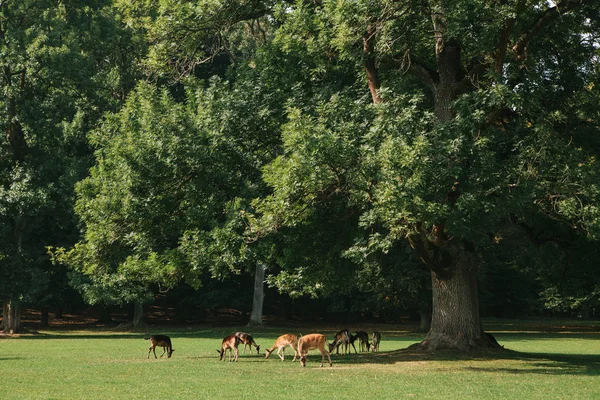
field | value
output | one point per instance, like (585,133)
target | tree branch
(432,255)
(370,67)
(544,20)
(537,241)
(428,76)
(502,47)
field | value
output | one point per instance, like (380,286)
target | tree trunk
(259,295)
(104,315)
(11,316)
(455,320)
(45,317)
(138,314)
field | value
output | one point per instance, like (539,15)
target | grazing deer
(363,341)
(376,340)
(283,341)
(161,341)
(230,343)
(247,340)
(342,337)
(312,342)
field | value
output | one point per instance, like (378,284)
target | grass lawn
(545,361)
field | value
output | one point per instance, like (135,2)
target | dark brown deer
(247,340)
(363,341)
(342,337)
(230,343)
(376,339)
(283,341)
(160,341)
(312,342)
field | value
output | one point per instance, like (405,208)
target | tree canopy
(351,146)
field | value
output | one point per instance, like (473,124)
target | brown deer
(283,341)
(312,342)
(247,340)
(376,339)
(342,337)
(161,341)
(230,343)
(363,341)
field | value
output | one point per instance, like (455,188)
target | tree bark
(11,316)
(259,295)
(455,320)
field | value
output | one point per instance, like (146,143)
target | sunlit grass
(543,363)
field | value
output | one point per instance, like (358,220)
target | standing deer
(363,341)
(376,340)
(283,341)
(312,342)
(230,343)
(247,340)
(161,341)
(342,337)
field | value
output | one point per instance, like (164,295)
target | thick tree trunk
(259,295)
(455,320)
(11,316)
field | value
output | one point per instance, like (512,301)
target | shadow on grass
(112,334)
(527,363)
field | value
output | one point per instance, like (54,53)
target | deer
(311,342)
(161,341)
(247,340)
(342,337)
(230,343)
(288,339)
(363,341)
(376,339)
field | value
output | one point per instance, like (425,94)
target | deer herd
(300,344)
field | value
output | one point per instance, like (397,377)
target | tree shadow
(532,363)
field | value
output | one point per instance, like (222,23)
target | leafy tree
(218,135)
(471,130)
(62,65)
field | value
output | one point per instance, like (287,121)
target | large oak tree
(481,122)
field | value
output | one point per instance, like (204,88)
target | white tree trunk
(138,314)
(259,295)
(11,316)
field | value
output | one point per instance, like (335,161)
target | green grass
(544,362)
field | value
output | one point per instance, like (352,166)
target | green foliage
(62,66)
(515,150)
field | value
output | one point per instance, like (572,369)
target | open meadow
(544,361)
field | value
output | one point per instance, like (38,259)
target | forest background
(343,160)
